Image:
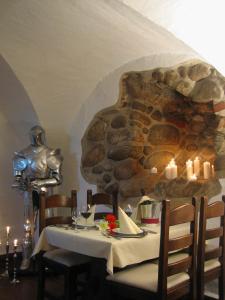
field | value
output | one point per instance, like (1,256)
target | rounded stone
(171,77)
(126,169)
(107,178)
(199,71)
(98,170)
(94,156)
(111,188)
(117,136)
(156,115)
(140,117)
(164,135)
(124,151)
(158,75)
(147,150)
(119,122)
(182,70)
(207,90)
(139,106)
(97,131)
(184,87)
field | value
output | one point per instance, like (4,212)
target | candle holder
(27,246)
(6,272)
(15,280)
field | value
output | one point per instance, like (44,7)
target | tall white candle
(189,169)
(206,170)
(168,172)
(171,170)
(197,166)
(154,170)
(7,230)
(213,171)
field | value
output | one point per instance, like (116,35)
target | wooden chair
(61,261)
(211,259)
(174,275)
(103,199)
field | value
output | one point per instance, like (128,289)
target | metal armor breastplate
(36,161)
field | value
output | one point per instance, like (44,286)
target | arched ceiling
(200,24)
(60,50)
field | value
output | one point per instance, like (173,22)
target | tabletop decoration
(108,223)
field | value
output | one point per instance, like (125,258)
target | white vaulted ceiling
(68,56)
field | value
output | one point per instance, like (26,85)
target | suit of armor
(35,168)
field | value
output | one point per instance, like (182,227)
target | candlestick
(206,170)
(6,272)
(197,166)
(189,169)
(15,245)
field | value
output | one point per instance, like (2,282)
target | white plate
(117,232)
(87,226)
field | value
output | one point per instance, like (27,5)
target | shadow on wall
(106,94)
(17,116)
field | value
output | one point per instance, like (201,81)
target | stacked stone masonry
(161,114)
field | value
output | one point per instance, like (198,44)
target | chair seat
(66,258)
(145,277)
(211,264)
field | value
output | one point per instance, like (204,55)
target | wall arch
(17,116)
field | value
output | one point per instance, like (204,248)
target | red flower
(110,218)
(112,226)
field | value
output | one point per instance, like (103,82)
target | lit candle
(15,243)
(193,177)
(168,172)
(213,171)
(189,169)
(171,170)
(196,166)
(206,170)
(7,230)
(154,170)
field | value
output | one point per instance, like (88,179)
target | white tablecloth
(118,253)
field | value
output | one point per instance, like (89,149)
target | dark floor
(27,288)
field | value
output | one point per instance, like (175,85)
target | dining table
(117,251)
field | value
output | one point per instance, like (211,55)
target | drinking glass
(129,210)
(75,214)
(86,214)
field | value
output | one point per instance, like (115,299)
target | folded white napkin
(126,224)
(90,220)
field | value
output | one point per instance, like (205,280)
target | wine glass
(75,214)
(85,212)
(129,210)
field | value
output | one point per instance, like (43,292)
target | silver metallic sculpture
(36,168)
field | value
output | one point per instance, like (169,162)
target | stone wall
(161,114)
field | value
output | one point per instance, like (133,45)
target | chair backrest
(209,211)
(186,213)
(55,201)
(103,199)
